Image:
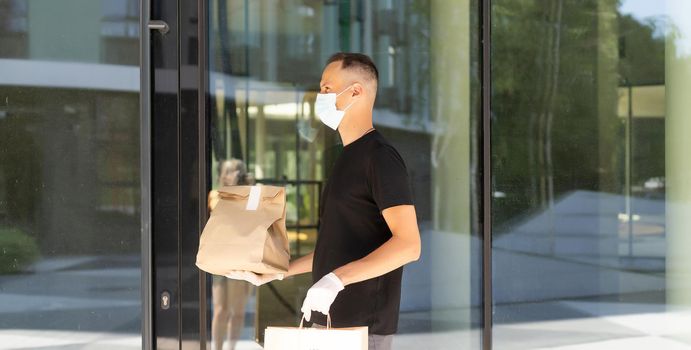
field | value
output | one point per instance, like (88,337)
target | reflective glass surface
(265,61)
(69,174)
(591,190)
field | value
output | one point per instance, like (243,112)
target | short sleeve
(388,178)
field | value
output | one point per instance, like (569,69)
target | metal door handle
(161,26)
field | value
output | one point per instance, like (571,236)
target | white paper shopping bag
(299,338)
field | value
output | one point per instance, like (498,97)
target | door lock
(165,300)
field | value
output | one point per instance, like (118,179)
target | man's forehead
(331,73)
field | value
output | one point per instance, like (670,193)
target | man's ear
(358,89)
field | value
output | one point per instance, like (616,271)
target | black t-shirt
(368,177)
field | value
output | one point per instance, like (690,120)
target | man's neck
(352,131)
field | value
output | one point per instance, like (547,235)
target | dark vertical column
(193,183)
(165,164)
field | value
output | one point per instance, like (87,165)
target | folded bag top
(240,192)
(246,231)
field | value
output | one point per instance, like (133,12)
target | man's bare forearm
(391,255)
(301,265)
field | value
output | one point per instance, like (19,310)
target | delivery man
(368,227)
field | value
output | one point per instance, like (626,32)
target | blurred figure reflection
(229,296)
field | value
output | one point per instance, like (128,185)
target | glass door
(265,60)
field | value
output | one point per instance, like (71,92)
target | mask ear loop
(344,90)
(351,103)
(348,106)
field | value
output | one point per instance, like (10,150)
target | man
(368,228)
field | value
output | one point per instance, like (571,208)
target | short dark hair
(356,61)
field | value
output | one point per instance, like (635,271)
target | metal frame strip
(204,155)
(145,172)
(486,177)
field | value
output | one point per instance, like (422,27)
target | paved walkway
(646,331)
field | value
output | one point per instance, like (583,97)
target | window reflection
(13,26)
(69,175)
(584,152)
(266,59)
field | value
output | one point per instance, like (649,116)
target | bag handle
(328,321)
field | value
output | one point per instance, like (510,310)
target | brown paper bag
(246,231)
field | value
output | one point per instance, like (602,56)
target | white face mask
(325,108)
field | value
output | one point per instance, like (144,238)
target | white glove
(321,295)
(254,278)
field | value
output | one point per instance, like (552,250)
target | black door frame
(175,179)
(174,175)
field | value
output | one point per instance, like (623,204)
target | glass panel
(266,59)
(69,174)
(591,180)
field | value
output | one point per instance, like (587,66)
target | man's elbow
(414,251)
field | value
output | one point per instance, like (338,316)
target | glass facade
(590,189)
(590,185)
(69,174)
(265,64)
